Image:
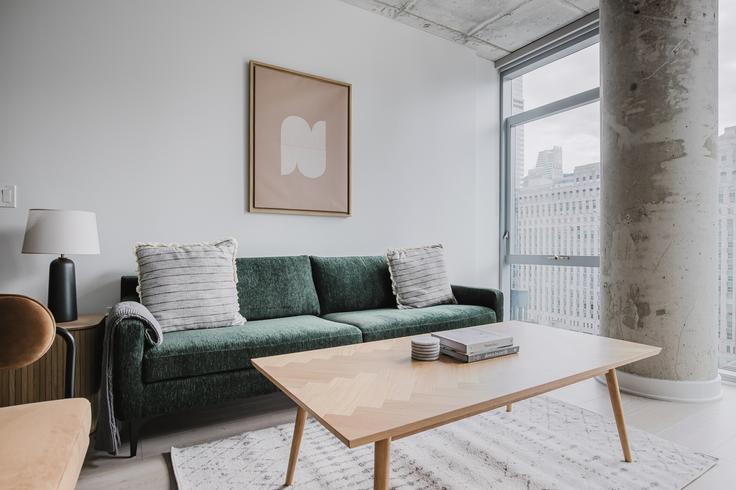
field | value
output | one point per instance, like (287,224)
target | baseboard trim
(669,390)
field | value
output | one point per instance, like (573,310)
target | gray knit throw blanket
(107,437)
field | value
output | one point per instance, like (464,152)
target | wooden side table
(44,379)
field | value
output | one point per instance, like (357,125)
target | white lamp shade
(57,231)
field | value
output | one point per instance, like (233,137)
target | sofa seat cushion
(43,445)
(386,323)
(215,350)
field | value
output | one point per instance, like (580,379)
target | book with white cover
(473,340)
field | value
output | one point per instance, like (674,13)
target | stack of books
(475,344)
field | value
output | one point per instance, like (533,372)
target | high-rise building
(726,223)
(558,214)
(548,169)
(517,106)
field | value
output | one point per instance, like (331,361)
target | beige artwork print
(301,139)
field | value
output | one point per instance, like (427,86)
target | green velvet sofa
(291,304)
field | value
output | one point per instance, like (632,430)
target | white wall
(136,110)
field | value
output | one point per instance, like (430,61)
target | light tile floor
(708,427)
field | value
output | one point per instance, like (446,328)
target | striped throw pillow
(187,287)
(419,277)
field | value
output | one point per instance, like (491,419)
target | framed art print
(299,143)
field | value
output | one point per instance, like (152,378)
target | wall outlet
(8,196)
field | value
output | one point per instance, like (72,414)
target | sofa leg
(134,429)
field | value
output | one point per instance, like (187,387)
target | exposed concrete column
(659,64)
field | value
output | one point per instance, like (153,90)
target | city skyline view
(550,215)
(558,212)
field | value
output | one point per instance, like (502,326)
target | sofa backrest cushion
(352,283)
(275,287)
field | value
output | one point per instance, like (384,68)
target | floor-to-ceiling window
(727,185)
(551,224)
(552,187)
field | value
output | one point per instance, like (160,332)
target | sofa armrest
(492,298)
(129,345)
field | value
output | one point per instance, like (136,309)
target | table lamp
(62,232)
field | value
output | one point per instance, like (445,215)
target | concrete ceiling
(493,28)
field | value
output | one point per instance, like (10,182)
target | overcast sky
(577,131)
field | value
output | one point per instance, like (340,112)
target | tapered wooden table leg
(382,464)
(508,407)
(618,412)
(301,417)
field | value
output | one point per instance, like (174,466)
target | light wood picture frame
(299,143)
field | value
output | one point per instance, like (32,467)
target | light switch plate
(8,196)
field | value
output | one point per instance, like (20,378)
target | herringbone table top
(373,391)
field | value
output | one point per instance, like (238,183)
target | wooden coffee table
(375,393)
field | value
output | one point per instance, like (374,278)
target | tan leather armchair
(43,445)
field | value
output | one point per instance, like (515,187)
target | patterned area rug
(543,444)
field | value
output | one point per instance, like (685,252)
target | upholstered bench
(42,445)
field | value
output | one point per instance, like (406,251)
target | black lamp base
(62,290)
